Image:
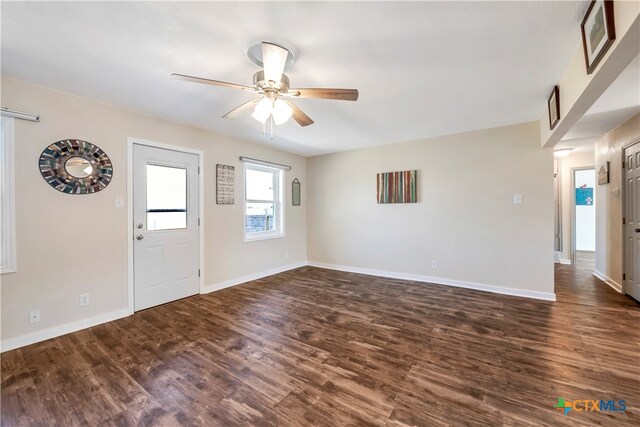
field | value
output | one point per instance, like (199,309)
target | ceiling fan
(273,86)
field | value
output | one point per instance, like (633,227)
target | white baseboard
(249,277)
(564,261)
(615,286)
(56,331)
(547,296)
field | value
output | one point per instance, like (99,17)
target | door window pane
(259,217)
(259,185)
(166,198)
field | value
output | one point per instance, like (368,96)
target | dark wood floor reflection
(318,347)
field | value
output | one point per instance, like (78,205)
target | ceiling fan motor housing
(270,86)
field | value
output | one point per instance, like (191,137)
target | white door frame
(623,180)
(131,141)
(573,207)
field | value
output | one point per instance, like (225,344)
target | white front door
(165,225)
(632,221)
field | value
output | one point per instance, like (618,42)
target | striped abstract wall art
(397,187)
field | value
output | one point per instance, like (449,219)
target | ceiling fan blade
(274,58)
(323,93)
(210,82)
(299,115)
(238,111)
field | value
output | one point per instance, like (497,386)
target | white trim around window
(277,201)
(7,198)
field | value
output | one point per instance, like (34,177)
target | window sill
(263,237)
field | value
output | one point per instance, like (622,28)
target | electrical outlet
(84,300)
(34,316)
(286,255)
(119,202)
(434,264)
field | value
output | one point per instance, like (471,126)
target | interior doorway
(584,216)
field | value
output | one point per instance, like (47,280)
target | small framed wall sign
(598,32)
(295,192)
(224,184)
(554,107)
(603,174)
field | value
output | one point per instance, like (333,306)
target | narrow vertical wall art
(295,192)
(224,184)
(397,187)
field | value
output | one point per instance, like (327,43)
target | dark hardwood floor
(319,347)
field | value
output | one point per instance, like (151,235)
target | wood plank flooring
(319,347)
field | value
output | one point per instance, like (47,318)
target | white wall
(465,217)
(69,245)
(577,159)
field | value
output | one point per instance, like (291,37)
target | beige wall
(609,199)
(69,245)
(465,217)
(573,160)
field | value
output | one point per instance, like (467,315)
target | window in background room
(7,207)
(263,213)
(585,210)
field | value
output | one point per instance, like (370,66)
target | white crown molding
(546,296)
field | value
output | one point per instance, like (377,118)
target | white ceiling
(615,106)
(422,68)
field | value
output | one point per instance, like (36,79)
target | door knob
(139,237)
(139,226)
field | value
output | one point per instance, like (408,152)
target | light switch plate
(517,199)
(119,202)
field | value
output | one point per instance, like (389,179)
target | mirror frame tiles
(52,167)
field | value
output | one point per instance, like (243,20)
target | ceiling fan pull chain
(271,127)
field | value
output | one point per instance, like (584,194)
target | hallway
(576,284)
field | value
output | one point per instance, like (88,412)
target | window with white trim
(7,208)
(263,207)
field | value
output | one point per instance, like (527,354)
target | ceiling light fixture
(562,152)
(275,103)
(263,110)
(281,112)
(277,110)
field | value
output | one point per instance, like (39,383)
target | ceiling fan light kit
(274,88)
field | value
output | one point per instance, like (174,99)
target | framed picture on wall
(598,32)
(225,184)
(603,174)
(554,107)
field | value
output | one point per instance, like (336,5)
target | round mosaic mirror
(74,166)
